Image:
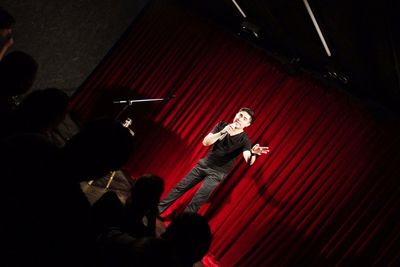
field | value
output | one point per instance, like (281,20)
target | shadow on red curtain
(326,195)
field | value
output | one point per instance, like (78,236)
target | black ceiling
(362,36)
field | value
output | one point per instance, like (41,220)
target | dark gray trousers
(200,172)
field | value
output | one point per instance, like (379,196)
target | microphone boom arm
(131,101)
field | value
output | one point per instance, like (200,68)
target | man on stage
(228,141)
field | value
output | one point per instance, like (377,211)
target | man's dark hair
(6,19)
(248,111)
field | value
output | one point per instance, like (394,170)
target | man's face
(242,119)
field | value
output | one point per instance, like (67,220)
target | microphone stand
(128,122)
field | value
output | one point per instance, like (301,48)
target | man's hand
(229,128)
(257,149)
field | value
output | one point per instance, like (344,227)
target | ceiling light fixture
(321,36)
(240,10)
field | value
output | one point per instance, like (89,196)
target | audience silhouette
(186,241)
(47,219)
(40,111)
(142,204)
(17,74)
(6,39)
(138,215)
(47,215)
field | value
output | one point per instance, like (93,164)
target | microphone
(121,101)
(223,136)
(235,126)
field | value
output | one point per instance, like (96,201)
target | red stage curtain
(328,192)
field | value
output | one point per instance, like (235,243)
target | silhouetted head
(190,235)
(17,73)
(147,190)
(101,146)
(6,19)
(42,109)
